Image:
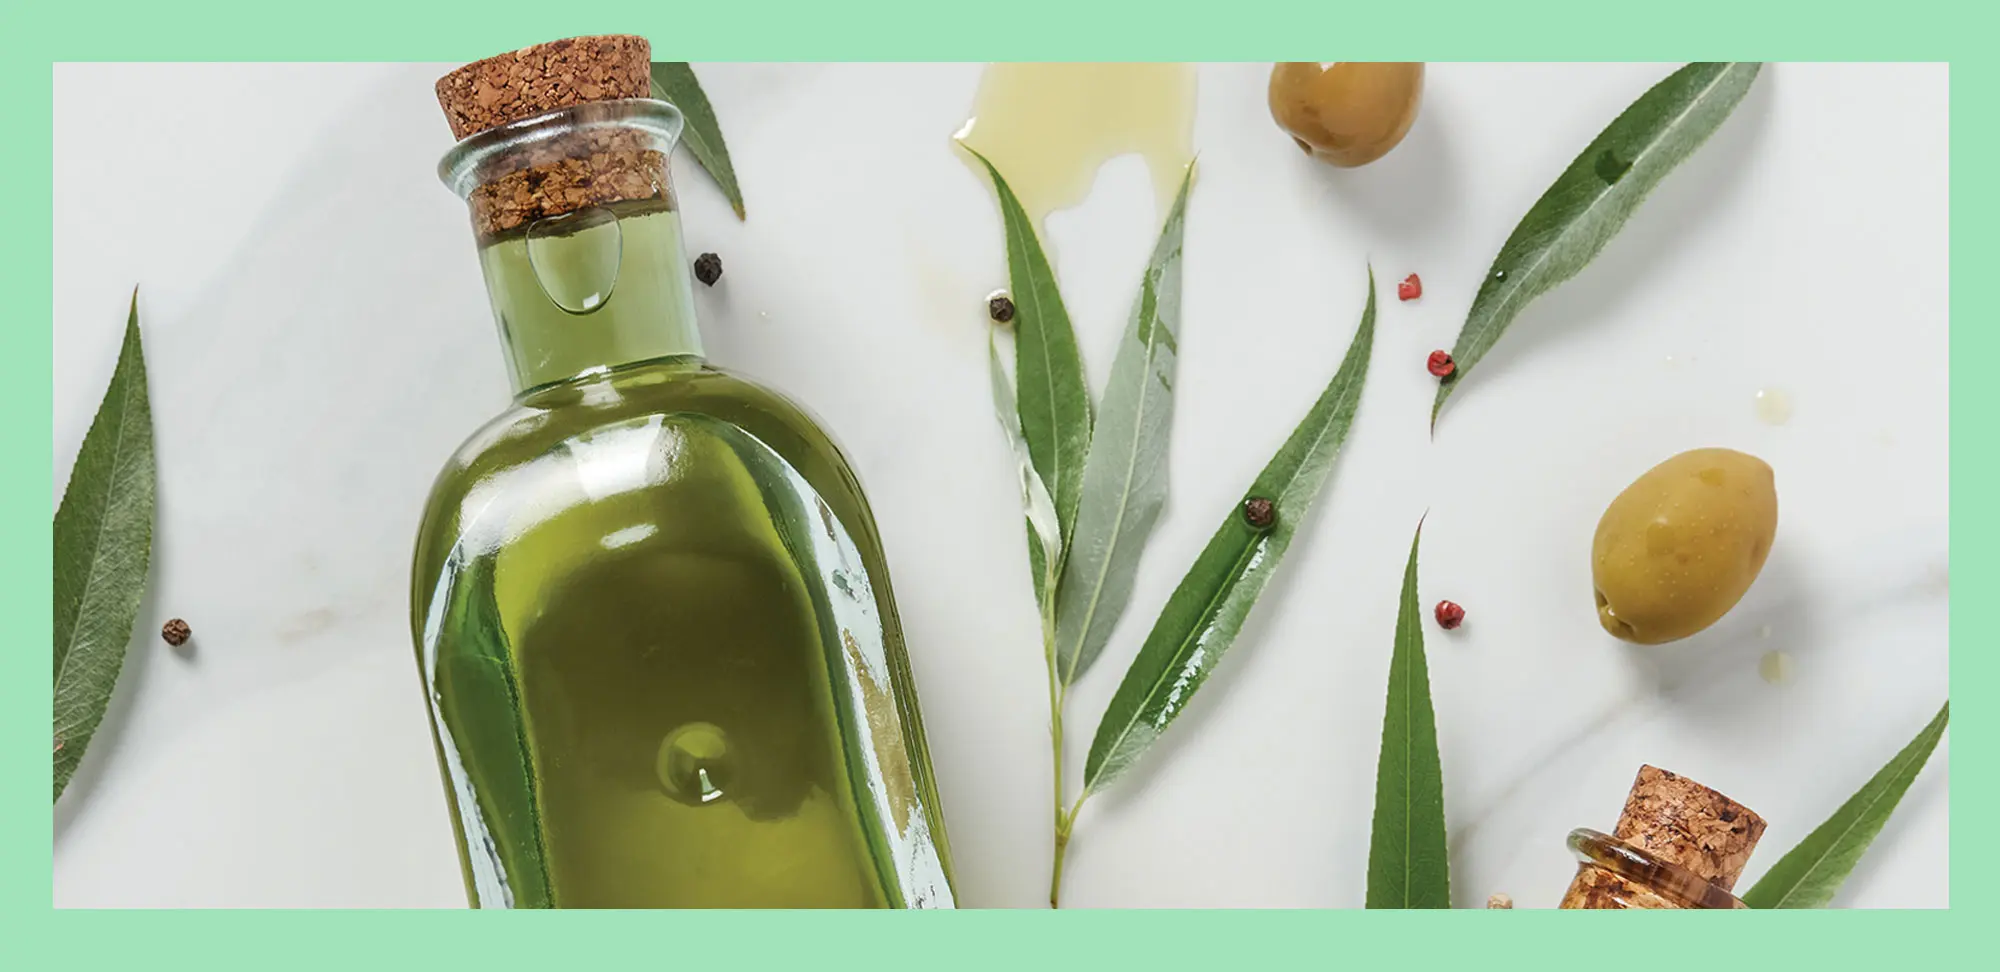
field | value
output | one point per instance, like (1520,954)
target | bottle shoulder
(546,418)
(505,456)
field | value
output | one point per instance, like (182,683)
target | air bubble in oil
(695,765)
(576,256)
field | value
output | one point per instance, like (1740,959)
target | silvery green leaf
(1054,403)
(1044,534)
(1205,613)
(1810,875)
(103,543)
(1592,198)
(1125,476)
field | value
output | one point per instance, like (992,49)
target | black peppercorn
(176,632)
(1000,308)
(708,268)
(1260,512)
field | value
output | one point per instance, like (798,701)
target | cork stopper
(587,166)
(1703,837)
(1689,825)
(490,93)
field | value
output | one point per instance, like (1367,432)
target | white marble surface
(319,342)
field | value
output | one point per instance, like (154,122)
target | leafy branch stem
(1064,819)
(1057,690)
(1065,822)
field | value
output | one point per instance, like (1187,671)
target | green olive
(1679,547)
(1347,113)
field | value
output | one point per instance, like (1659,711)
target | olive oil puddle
(1048,128)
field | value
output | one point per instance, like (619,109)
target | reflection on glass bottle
(650,603)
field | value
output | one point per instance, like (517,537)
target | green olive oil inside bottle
(651,610)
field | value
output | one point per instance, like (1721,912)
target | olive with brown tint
(1346,113)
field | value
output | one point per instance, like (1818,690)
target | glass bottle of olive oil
(650,605)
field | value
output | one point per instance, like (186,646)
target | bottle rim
(464,167)
(1669,880)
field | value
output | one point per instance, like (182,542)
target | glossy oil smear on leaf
(1205,613)
(1408,864)
(1125,476)
(1044,536)
(1812,872)
(103,542)
(1048,372)
(1591,200)
(674,82)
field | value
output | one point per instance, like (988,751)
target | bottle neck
(1613,874)
(591,291)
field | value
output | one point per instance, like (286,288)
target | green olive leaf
(674,81)
(1048,372)
(103,539)
(1409,865)
(1125,475)
(1044,534)
(477,692)
(1207,611)
(1811,873)
(1592,198)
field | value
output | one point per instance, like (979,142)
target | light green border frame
(35,35)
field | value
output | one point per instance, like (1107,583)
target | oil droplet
(1775,667)
(694,764)
(1773,406)
(1049,127)
(576,256)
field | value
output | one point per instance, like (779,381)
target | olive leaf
(1125,474)
(1205,613)
(103,539)
(1048,372)
(1591,200)
(674,81)
(1408,863)
(1043,532)
(478,692)
(1810,874)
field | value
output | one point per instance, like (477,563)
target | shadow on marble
(1780,613)
(1411,196)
